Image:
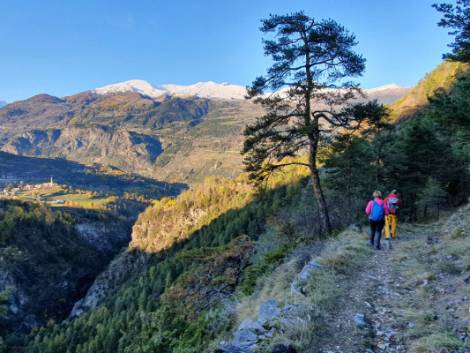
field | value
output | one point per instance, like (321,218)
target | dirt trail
(373,316)
(365,321)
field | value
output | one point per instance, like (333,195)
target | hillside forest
(221,267)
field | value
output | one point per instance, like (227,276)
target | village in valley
(13,186)
(52,193)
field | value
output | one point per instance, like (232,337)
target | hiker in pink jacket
(376,210)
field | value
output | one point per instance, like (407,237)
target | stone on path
(360,320)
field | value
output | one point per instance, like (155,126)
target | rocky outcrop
(110,279)
(298,285)
(49,259)
(458,225)
(94,144)
(104,236)
(113,129)
(272,317)
(16,302)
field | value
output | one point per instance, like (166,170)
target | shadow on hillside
(293,213)
(15,168)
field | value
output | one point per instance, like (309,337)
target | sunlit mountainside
(169,132)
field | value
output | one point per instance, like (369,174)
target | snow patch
(137,86)
(389,87)
(208,89)
(211,89)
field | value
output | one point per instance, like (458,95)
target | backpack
(392,204)
(378,212)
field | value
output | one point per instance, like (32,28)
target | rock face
(252,331)
(274,317)
(114,129)
(48,260)
(106,237)
(97,144)
(271,317)
(297,286)
(458,224)
(108,280)
(17,300)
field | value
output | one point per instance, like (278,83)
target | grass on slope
(435,265)
(442,77)
(341,259)
(418,290)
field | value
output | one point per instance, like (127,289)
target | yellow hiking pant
(390,225)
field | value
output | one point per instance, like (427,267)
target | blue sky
(64,47)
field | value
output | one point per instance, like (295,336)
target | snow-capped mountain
(386,88)
(138,86)
(387,93)
(207,89)
(210,89)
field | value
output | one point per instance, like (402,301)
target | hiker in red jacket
(392,202)
(376,210)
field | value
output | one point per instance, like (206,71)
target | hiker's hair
(377,193)
(394,191)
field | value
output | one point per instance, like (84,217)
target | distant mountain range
(169,132)
(213,90)
(208,89)
(2,103)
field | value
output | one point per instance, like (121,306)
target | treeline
(425,157)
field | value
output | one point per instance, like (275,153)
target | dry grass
(339,260)
(436,343)
(432,265)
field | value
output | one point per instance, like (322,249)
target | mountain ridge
(171,132)
(208,89)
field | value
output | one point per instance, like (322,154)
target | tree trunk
(313,136)
(317,191)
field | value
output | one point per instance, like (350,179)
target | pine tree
(457,19)
(312,60)
(349,170)
(433,195)
(417,154)
(378,127)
